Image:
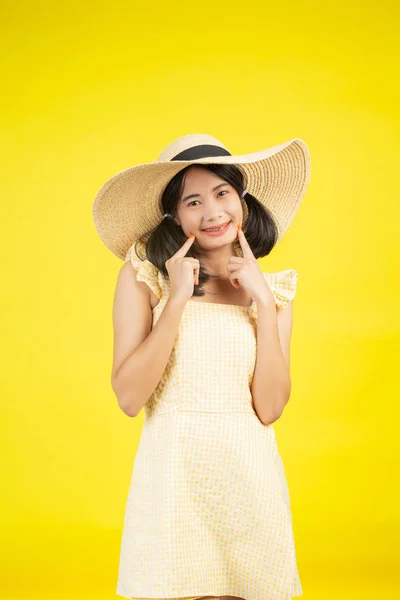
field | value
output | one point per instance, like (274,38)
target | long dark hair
(167,237)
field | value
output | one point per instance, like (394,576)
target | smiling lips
(216,227)
(218,232)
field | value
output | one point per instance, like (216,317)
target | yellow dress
(208,509)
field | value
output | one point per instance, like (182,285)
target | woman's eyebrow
(197,195)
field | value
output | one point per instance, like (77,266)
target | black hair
(167,237)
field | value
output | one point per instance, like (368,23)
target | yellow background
(91,89)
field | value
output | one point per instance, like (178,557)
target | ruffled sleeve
(146,271)
(283,285)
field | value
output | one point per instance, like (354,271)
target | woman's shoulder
(283,285)
(146,271)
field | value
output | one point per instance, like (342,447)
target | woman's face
(212,202)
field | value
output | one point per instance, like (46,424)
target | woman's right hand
(183,272)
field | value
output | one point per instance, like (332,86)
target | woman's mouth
(219,231)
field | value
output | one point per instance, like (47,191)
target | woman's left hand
(245,272)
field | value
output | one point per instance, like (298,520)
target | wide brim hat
(128,205)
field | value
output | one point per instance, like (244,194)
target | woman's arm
(271,384)
(141,353)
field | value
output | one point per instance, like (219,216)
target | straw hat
(128,205)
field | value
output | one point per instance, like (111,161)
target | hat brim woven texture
(128,204)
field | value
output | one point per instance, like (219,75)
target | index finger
(184,248)
(247,251)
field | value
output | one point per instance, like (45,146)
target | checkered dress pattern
(208,509)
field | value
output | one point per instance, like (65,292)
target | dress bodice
(212,362)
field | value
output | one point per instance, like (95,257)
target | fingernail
(192,235)
(240,227)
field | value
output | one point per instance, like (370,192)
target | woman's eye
(220,192)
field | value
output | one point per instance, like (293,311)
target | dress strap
(283,285)
(146,271)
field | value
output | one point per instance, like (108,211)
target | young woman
(202,344)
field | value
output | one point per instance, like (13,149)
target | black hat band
(201,151)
